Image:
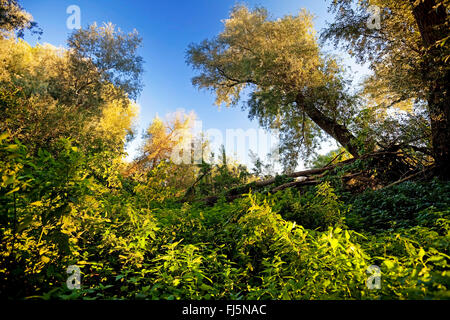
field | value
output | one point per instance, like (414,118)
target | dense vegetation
(156,229)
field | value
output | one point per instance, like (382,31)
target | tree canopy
(57,93)
(409,55)
(113,53)
(292,85)
(13,18)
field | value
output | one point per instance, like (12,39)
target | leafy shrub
(401,206)
(133,241)
(317,209)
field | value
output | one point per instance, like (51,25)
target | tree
(54,93)
(165,161)
(13,18)
(112,53)
(166,139)
(330,158)
(409,54)
(293,87)
(263,169)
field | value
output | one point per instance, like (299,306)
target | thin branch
(407,178)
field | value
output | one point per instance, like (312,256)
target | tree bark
(436,75)
(339,132)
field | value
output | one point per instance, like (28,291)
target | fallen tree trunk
(295,184)
(309,182)
(236,192)
(304,173)
(311,177)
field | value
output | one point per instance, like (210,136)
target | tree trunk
(436,75)
(339,132)
(439,109)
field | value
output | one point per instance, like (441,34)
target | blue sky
(167,28)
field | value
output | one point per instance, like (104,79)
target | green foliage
(401,206)
(320,208)
(14,19)
(221,177)
(131,243)
(67,198)
(332,157)
(47,93)
(113,53)
(279,63)
(36,193)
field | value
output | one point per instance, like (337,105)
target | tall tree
(47,93)
(14,19)
(409,52)
(165,140)
(113,53)
(293,87)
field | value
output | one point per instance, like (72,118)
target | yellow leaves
(70,109)
(176,282)
(4,136)
(334,243)
(117,120)
(228,94)
(13,190)
(43,252)
(282,55)
(22,59)
(12,147)
(7,180)
(166,138)
(389,264)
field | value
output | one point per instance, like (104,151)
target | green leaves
(314,209)
(113,53)
(405,205)
(291,245)
(288,77)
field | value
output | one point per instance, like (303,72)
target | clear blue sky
(167,28)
